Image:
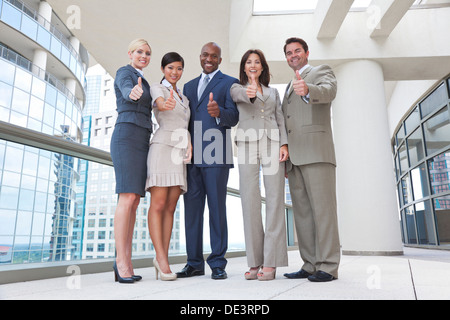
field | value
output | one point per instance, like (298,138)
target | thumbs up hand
(300,86)
(252,87)
(170,102)
(137,91)
(213,107)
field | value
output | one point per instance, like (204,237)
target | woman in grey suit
(169,152)
(262,143)
(129,149)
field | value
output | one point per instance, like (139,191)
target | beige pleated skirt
(165,167)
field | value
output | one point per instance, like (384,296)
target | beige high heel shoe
(164,276)
(266,276)
(252,274)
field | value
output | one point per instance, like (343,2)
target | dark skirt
(129,151)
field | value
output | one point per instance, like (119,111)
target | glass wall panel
(435,100)
(439,171)
(420,182)
(415,147)
(425,223)
(410,225)
(7,72)
(11,16)
(406,189)
(413,121)
(401,134)
(29,27)
(403,157)
(442,209)
(437,131)
(5,95)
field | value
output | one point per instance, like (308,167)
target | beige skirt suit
(259,135)
(165,166)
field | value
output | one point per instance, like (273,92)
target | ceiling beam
(329,16)
(387,14)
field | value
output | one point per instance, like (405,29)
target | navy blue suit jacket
(138,112)
(212,141)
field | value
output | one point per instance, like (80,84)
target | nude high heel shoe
(266,276)
(164,276)
(252,274)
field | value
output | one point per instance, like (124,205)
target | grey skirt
(129,150)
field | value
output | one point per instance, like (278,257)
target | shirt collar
(211,75)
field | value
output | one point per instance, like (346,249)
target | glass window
(5,94)
(435,100)
(18,119)
(23,80)
(49,115)
(410,225)
(30,164)
(21,101)
(9,198)
(420,182)
(8,219)
(36,108)
(439,171)
(403,157)
(44,37)
(23,225)
(50,95)
(406,189)
(7,72)
(29,27)
(26,200)
(425,223)
(415,147)
(437,131)
(413,121)
(11,15)
(65,56)
(401,134)
(56,47)
(442,209)
(61,102)
(13,159)
(38,88)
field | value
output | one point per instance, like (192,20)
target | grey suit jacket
(310,137)
(264,114)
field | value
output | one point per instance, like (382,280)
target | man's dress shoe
(189,271)
(301,274)
(321,276)
(218,274)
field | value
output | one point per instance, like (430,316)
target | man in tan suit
(311,168)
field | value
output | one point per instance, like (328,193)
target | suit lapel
(215,80)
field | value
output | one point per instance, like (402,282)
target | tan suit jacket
(311,170)
(264,114)
(308,125)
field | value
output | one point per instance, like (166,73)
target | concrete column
(39,62)
(367,201)
(75,44)
(45,11)
(71,85)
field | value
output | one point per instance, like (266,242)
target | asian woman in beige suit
(262,142)
(166,163)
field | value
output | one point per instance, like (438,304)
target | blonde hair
(135,44)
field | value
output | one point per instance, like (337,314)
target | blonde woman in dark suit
(129,149)
(262,143)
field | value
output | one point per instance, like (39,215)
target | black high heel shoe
(136,277)
(117,276)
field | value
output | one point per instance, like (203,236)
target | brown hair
(264,78)
(301,41)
